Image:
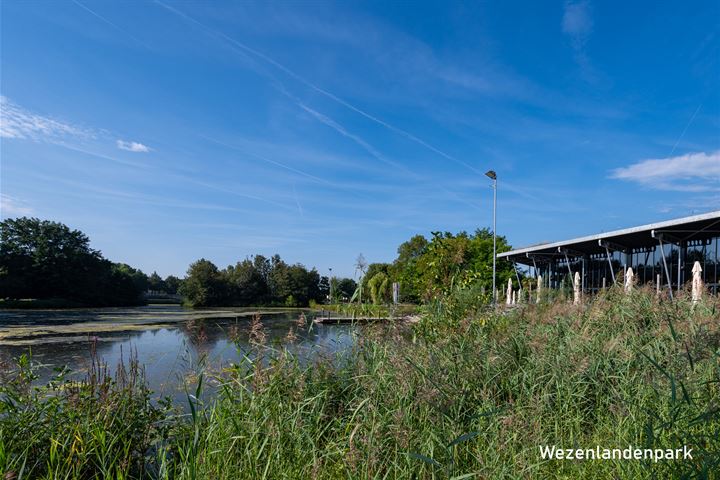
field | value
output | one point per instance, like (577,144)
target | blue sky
(169,131)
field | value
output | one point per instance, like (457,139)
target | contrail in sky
(244,49)
(685,130)
(320,90)
(297,202)
(116,27)
(342,131)
(268,160)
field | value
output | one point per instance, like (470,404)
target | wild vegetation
(46,264)
(428,268)
(49,262)
(465,393)
(253,281)
(55,267)
(423,268)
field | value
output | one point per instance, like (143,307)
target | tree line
(45,260)
(259,281)
(41,259)
(424,269)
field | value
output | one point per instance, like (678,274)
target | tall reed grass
(459,395)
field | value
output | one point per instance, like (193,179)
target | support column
(667,274)
(517,275)
(717,244)
(645,265)
(681,263)
(610,265)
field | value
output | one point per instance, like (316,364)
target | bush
(97,428)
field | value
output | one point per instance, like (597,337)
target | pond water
(171,342)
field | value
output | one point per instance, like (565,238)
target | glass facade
(661,254)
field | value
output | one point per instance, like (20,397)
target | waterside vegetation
(46,264)
(466,392)
(55,267)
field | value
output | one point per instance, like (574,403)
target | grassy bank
(457,395)
(369,310)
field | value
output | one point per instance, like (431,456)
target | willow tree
(379,286)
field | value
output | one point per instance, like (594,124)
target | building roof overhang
(692,230)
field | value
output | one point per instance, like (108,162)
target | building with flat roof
(666,249)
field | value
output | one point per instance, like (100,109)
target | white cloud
(577,24)
(17,122)
(132,146)
(577,21)
(11,207)
(692,172)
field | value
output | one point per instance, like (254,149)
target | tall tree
(324,288)
(426,269)
(248,285)
(204,285)
(459,260)
(379,286)
(172,284)
(405,268)
(345,289)
(156,283)
(374,269)
(42,259)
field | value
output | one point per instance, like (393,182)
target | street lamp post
(331,282)
(491,174)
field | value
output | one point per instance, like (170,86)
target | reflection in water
(171,353)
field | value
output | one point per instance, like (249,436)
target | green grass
(465,393)
(369,310)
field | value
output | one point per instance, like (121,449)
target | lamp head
(491,174)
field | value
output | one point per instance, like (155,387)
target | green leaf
(463,438)
(425,459)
